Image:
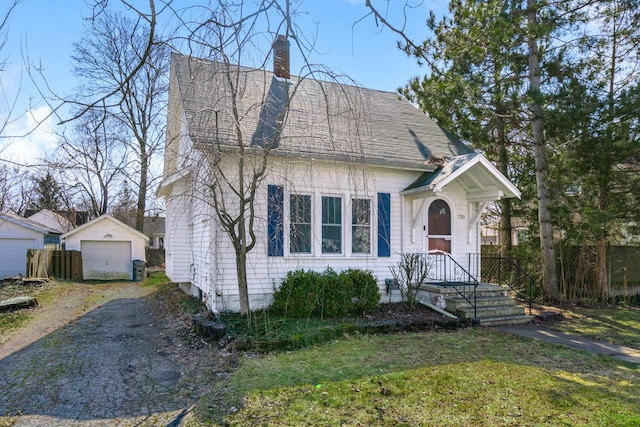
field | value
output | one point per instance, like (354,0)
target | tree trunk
(241,270)
(506,243)
(142,191)
(549,277)
(602,278)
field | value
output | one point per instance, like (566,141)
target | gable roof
(323,120)
(481,180)
(105,217)
(27,223)
(52,219)
(152,225)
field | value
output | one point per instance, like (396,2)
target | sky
(347,41)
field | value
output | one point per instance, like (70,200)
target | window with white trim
(361,226)
(331,225)
(300,224)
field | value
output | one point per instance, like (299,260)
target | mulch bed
(394,317)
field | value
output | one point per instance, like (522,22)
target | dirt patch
(403,312)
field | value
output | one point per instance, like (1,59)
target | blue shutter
(275,229)
(384,224)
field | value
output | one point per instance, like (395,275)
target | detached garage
(17,234)
(108,248)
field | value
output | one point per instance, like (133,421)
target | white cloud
(31,137)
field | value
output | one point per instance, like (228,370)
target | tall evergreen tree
(477,87)
(48,194)
(603,153)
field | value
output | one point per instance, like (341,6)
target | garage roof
(27,223)
(105,217)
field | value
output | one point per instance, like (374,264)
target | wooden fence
(65,265)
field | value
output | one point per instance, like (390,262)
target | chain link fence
(578,278)
(576,269)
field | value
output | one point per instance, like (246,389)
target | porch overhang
(481,180)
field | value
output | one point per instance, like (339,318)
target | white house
(356,177)
(108,248)
(17,235)
(52,220)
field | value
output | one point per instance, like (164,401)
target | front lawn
(616,324)
(465,377)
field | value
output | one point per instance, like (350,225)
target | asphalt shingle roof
(324,120)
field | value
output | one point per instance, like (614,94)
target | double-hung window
(300,230)
(331,225)
(361,226)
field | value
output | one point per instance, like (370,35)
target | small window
(300,230)
(361,226)
(331,225)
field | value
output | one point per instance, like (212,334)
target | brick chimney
(281,57)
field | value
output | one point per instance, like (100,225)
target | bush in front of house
(365,294)
(298,295)
(303,294)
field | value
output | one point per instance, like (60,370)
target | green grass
(266,331)
(10,321)
(465,377)
(485,393)
(13,320)
(617,324)
(156,279)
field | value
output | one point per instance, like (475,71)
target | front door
(439,226)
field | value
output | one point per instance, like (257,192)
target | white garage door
(106,260)
(13,256)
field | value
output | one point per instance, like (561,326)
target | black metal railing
(503,270)
(443,270)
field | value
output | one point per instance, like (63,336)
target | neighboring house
(490,231)
(358,178)
(17,235)
(52,220)
(153,227)
(75,218)
(108,248)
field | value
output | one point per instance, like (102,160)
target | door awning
(480,179)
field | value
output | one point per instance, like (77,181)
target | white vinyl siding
(13,256)
(317,179)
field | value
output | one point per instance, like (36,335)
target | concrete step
(482,290)
(490,311)
(506,320)
(459,303)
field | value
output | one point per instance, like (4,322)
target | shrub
(303,294)
(336,299)
(365,294)
(298,295)
(410,274)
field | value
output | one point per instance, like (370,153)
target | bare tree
(15,188)
(123,70)
(92,158)
(7,103)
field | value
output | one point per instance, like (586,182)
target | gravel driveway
(122,363)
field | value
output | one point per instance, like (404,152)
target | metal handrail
(503,277)
(451,273)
